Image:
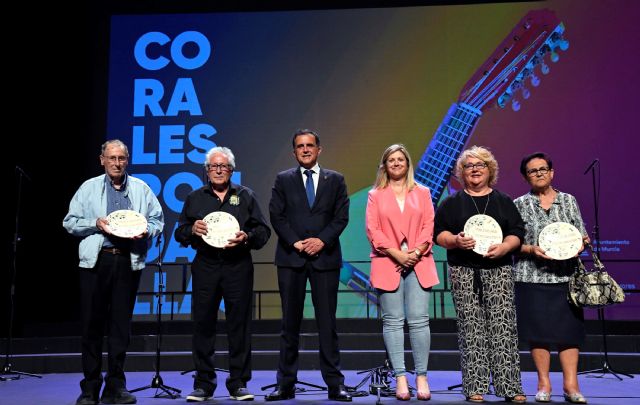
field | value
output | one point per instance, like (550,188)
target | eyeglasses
(471,166)
(222,167)
(114,159)
(541,171)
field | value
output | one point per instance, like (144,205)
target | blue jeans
(409,301)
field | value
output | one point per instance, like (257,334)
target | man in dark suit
(309,209)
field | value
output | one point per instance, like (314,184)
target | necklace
(475,205)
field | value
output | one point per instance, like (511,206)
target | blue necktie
(311,194)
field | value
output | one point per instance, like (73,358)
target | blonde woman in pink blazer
(399,223)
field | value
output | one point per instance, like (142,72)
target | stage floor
(63,389)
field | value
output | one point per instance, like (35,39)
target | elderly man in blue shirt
(110,269)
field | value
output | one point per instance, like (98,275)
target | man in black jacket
(225,272)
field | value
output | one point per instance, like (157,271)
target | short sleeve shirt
(563,209)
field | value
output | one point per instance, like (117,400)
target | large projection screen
(179,84)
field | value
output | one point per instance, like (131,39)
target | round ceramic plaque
(127,223)
(221,227)
(560,240)
(485,230)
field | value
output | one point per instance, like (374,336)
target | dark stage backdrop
(178,84)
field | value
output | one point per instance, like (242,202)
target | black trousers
(107,296)
(212,280)
(292,282)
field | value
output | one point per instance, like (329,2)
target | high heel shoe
(543,396)
(402,389)
(518,399)
(575,398)
(423,396)
(403,396)
(422,390)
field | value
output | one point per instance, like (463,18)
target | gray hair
(222,150)
(116,142)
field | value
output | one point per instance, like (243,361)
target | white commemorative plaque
(221,227)
(560,240)
(127,223)
(485,230)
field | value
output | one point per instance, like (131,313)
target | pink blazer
(387,227)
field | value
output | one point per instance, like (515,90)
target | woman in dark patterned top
(482,285)
(545,317)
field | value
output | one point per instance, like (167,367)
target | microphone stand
(157,382)
(379,380)
(297,389)
(7,372)
(606,368)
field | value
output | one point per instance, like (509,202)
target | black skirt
(545,315)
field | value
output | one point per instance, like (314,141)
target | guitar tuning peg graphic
(535,80)
(544,68)
(515,105)
(525,93)
(563,44)
(503,100)
(554,57)
(558,41)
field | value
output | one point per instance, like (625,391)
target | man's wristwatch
(418,252)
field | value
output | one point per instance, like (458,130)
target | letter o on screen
(204,50)
(177,47)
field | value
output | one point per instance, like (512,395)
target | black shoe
(117,396)
(199,395)
(87,398)
(339,393)
(281,393)
(241,394)
(90,391)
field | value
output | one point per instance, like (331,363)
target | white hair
(223,150)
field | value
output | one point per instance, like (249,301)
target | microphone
(595,162)
(22,172)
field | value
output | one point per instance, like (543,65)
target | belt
(114,251)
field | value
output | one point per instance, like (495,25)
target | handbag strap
(596,261)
